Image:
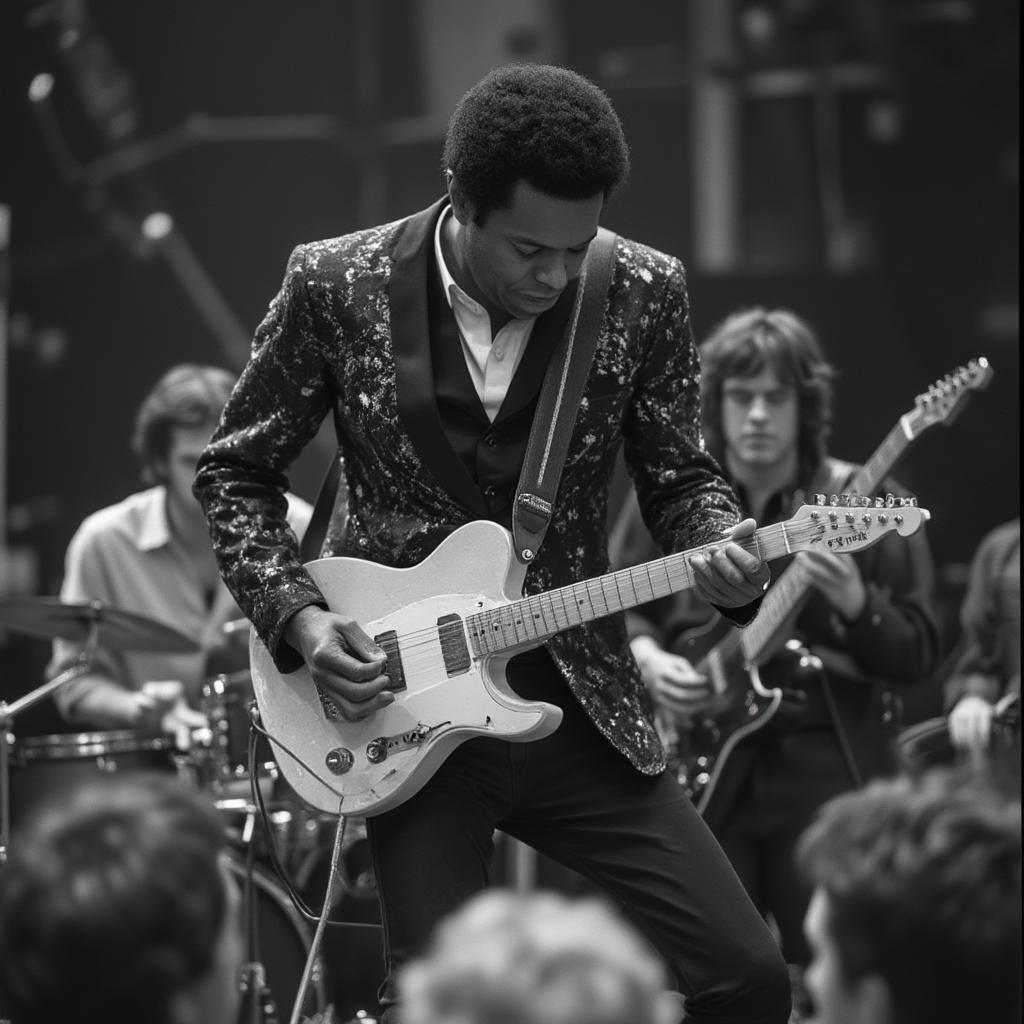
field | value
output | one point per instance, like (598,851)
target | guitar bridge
(379,749)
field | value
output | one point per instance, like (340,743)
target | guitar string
(426,637)
(502,618)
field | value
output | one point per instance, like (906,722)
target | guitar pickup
(393,669)
(454,648)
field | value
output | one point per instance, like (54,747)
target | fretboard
(531,620)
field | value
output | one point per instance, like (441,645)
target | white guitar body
(471,570)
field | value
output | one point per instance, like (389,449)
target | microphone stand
(8,712)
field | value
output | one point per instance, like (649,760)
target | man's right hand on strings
(342,659)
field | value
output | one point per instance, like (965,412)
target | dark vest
(491,452)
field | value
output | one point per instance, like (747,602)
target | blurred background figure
(916,913)
(856,630)
(150,554)
(986,676)
(116,907)
(981,675)
(540,958)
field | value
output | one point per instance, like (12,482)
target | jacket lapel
(410,336)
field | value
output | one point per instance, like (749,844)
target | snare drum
(45,765)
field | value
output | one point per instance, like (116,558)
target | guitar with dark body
(735,660)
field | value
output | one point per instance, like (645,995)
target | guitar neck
(794,583)
(532,620)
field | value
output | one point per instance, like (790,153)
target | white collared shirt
(126,557)
(491,360)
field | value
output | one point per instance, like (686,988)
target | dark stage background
(856,160)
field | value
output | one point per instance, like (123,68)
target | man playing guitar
(427,340)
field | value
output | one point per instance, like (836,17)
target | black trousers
(575,799)
(788,776)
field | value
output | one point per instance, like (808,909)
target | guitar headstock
(851,522)
(944,399)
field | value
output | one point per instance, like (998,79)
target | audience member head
(116,908)
(541,958)
(187,398)
(753,340)
(545,125)
(916,912)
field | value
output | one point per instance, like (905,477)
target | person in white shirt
(150,555)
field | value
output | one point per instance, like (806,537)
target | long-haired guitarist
(427,340)
(865,623)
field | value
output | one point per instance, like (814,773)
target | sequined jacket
(346,335)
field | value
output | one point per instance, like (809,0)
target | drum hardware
(225,701)
(89,622)
(8,712)
(312,970)
(237,627)
(293,846)
(280,943)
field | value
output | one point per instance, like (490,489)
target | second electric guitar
(730,658)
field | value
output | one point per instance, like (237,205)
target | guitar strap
(559,401)
(313,539)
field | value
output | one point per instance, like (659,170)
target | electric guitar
(730,658)
(449,625)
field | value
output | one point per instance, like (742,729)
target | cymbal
(51,618)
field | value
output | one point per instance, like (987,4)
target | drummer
(150,555)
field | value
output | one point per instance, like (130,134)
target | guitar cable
(837,727)
(323,918)
(255,731)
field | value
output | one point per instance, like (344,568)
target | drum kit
(218,763)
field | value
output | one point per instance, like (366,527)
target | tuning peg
(819,499)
